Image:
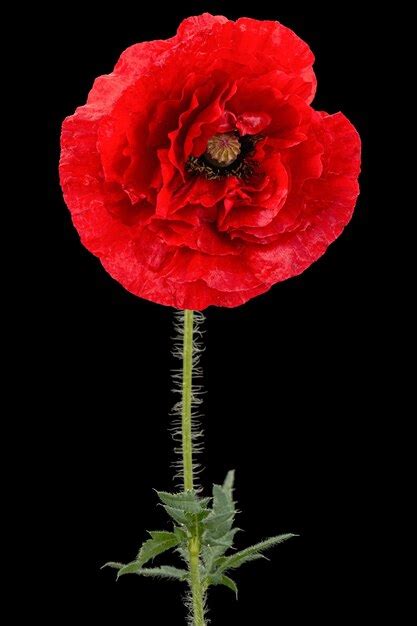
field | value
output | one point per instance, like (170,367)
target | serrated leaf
(202,514)
(130,568)
(219,527)
(214,522)
(222,579)
(181,534)
(113,564)
(228,582)
(177,515)
(221,500)
(234,561)
(183,551)
(226,540)
(220,520)
(229,482)
(187,501)
(160,542)
(165,571)
(215,548)
(184,518)
(218,535)
(162,535)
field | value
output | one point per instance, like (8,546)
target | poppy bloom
(199,174)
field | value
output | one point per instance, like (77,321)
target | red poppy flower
(198,172)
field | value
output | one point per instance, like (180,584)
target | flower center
(223,150)
(228,154)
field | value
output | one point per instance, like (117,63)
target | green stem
(194,545)
(196,586)
(187,384)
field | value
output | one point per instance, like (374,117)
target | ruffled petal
(329,201)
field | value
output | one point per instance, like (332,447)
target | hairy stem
(187,458)
(196,586)
(187,390)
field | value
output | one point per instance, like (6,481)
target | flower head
(198,172)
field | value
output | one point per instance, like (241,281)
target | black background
(286,374)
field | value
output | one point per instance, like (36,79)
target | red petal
(329,201)
(252,123)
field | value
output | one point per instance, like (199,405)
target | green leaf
(221,500)
(187,501)
(213,521)
(160,542)
(165,571)
(225,563)
(113,565)
(226,540)
(199,517)
(177,515)
(162,535)
(181,534)
(218,526)
(183,551)
(229,482)
(216,548)
(228,582)
(130,568)
(221,579)
(185,518)
(218,536)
